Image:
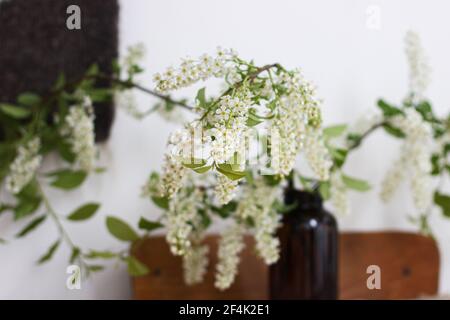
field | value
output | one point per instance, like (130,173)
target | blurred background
(353,50)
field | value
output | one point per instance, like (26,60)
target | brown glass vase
(307,268)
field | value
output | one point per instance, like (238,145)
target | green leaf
(60,82)
(50,252)
(425,109)
(447,148)
(201,98)
(28,200)
(253,119)
(65,151)
(100,94)
(67,179)
(272,180)
(116,67)
(443,201)
(355,184)
(193,163)
(202,169)
(162,202)
(14,111)
(252,122)
(226,210)
(393,131)
(5,207)
(149,225)
(283,208)
(93,70)
(100,170)
(135,267)
(435,164)
(324,190)
(388,110)
(26,206)
(354,138)
(339,156)
(120,229)
(100,255)
(205,218)
(227,170)
(249,177)
(84,212)
(28,99)
(95,268)
(74,255)
(31,226)
(334,131)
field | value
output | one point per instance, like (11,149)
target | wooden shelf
(409,269)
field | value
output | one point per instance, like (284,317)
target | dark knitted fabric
(36,46)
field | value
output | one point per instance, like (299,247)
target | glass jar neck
(303,200)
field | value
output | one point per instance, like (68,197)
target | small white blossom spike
(419,70)
(338,193)
(225,189)
(414,159)
(79,127)
(182,212)
(256,203)
(230,246)
(24,167)
(191,71)
(195,263)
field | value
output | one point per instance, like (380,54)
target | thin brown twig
(139,87)
(357,143)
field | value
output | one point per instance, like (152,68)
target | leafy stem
(62,232)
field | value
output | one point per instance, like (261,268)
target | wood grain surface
(409,269)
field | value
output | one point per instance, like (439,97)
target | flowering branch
(287,104)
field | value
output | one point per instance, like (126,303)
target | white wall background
(351,64)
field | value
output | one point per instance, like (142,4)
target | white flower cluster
(338,193)
(415,159)
(420,71)
(195,264)
(230,246)
(286,139)
(191,71)
(229,120)
(220,144)
(79,127)
(173,175)
(183,146)
(125,97)
(394,176)
(317,154)
(24,167)
(257,203)
(134,56)
(296,126)
(225,189)
(183,210)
